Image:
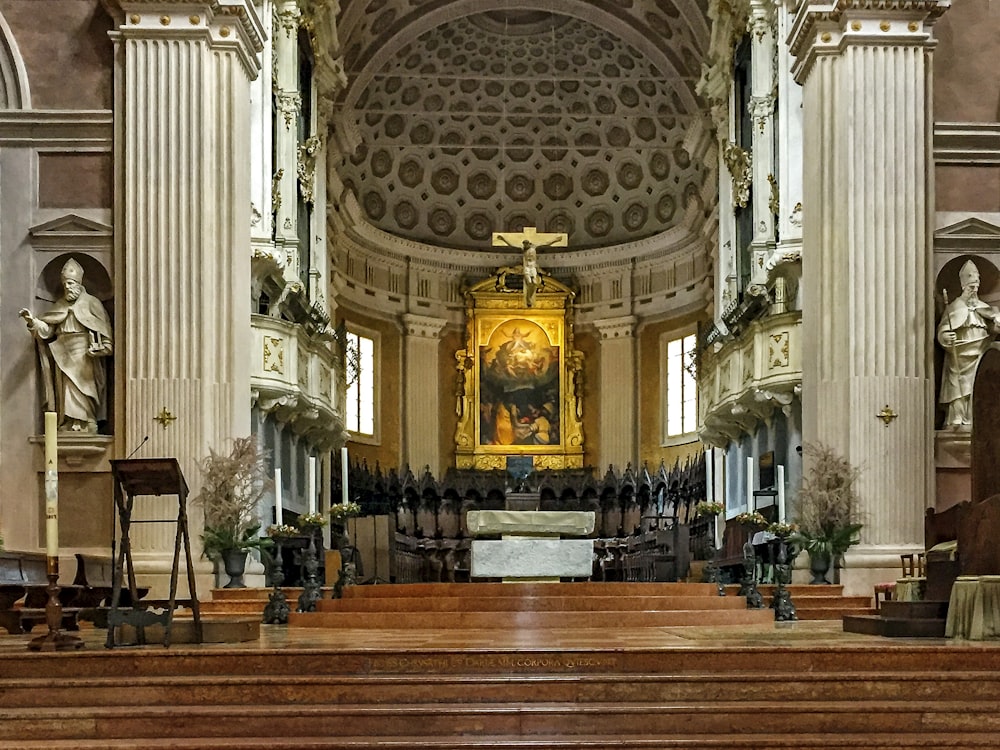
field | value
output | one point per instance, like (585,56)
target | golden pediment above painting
(519,377)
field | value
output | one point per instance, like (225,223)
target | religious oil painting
(519,388)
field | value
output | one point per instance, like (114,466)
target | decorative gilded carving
(306,167)
(518,379)
(276,190)
(740,165)
(773,203)
(777,349)
(289,104)
(303,368)
(286,18)
(274,355)
(760,109)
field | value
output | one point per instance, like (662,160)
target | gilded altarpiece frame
(519,378)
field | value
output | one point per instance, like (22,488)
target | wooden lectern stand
(144,477)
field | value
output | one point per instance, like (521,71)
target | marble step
(870,740)
(895,627)
(532,588)
(530,604)
(528,620)
(450,654)
(401,690)
(522,719)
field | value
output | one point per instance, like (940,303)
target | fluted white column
(865,68)
(184,237)
(421,399)
(617,435)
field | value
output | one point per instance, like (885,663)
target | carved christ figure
(531,242)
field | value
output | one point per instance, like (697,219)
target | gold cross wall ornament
(887,415)
(164,418)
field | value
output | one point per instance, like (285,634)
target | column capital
(616,328)
(224,23)
(422,326)
(828,27)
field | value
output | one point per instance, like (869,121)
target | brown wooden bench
(95,577)
(24,593)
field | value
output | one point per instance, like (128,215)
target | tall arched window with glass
(360,370)
(682,389)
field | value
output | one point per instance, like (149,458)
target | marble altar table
(533,544)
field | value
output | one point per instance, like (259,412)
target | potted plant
(828,510)
(232,487)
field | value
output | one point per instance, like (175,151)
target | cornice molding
(828,28)
(68,129)
(961,143)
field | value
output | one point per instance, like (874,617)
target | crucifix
(531,241)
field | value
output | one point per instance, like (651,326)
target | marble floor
(806,635)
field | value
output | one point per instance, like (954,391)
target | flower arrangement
(340,512)
(281,531)
(312,521)
(231,491)
(706,509)
(754,520)
(782,530)
(829,506)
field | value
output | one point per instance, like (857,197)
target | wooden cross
(532,235)
(531,240)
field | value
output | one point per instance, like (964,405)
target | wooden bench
(95,577)
(24,575)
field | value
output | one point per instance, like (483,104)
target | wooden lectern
(144,477)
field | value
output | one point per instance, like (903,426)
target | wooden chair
(912,565)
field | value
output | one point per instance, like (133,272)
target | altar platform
(398,685)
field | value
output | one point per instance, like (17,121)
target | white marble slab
(553,522)
(532,558)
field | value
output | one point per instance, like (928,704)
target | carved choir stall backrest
(985,447)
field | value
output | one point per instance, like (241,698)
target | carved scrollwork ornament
(762,19)
(289,104)
(306,167)
(286,18)
(276,190)
(773,201)
(740,165)
(760,109)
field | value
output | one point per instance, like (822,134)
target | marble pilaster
(422,407)
(183,239)
(617,415)
(288,104)
(762,100)
(865,68)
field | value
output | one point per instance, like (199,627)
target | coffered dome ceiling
(573,117)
